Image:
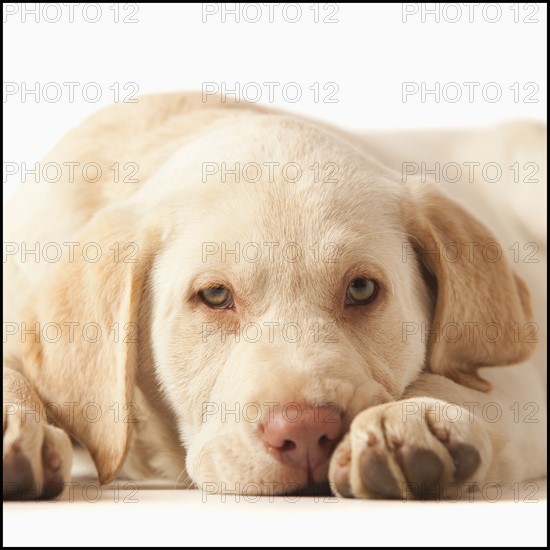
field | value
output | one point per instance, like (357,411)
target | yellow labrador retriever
(222,294)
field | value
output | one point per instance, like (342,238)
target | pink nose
(302,436)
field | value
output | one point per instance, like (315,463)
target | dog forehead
(291,238)
(299,205)
(306,211)
(274,169)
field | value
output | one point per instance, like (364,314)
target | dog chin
(312,489)
(296,482)
(283,481)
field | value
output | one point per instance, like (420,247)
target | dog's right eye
(217,297)
(361,291)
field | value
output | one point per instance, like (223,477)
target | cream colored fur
(172,371)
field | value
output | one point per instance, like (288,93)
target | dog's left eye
(361,291)
(217,296)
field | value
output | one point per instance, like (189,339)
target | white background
(368,54)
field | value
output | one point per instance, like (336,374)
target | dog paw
(37,456)
(413,449)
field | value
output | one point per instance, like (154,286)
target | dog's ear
(482,309)
(82,356)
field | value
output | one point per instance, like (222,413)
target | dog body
(285,215)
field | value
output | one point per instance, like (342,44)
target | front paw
(410,449)
(36,457)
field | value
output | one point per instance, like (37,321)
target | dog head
(282,283)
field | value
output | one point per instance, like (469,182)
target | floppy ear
(482,310)
(83,359)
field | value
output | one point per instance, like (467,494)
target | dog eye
(361,291)
(217,296)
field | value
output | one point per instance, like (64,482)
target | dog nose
(302,436)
